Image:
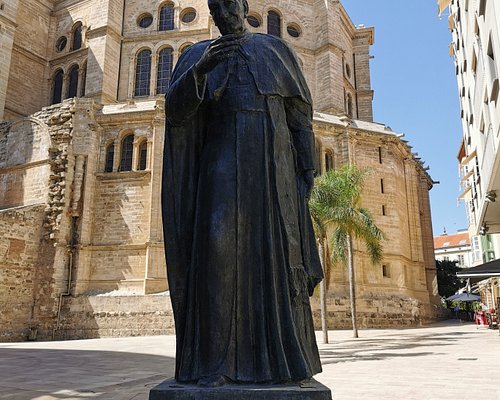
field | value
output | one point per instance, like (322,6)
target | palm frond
(335,206)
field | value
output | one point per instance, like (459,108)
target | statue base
(170,390)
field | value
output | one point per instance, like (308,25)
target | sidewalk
(444,361)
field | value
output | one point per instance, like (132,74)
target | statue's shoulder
(197,47)
(270,40)
(190,55)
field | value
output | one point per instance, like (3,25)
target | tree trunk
(322,287)
(352,286)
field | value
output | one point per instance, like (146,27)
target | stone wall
(27,301)
(377,312)
(86,317)
(24,163)
(8,15)
(27,85)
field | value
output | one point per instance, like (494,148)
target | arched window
(143,156)
(317,156)
(349,105)
(57,87)
(328,161)
(167,17)
(165,61)
(274,23)
(127,152)
(110,158)
(184,47)
(84,80)
(77,37)
(143,73)
(73,82)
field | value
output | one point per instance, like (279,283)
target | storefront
(485,279)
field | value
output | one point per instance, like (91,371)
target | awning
(481,272)
(442,4)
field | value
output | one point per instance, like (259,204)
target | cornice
(8,21)
(81,53)
(29,54)
(329,47)
(103,31)
(175,34)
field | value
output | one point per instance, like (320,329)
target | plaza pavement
(449,360)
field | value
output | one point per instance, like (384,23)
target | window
(73,82)
(84,80)
(254,21)
(127,151)
(381,186)
(317,158)
(494,91)
(349,105)
(110,158)
(145,20)
(57,87)
(77,37)
(143,73)
(328,161)
(294,30)
(165,60)
(188,15)
(61,43)
(274,23)
(386,273)
(167,17)
(482,7)
(474,62)
(348,70)
(490,52)
(184,47)
(143,156)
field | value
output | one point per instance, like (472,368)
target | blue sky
(416,91)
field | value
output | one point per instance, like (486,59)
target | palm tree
(338,218)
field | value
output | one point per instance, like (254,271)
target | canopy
(464,297)
(481,272)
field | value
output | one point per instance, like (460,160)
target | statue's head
(229,15)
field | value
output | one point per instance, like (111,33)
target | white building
(476,48)
(454,247)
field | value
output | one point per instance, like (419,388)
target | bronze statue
(238,170)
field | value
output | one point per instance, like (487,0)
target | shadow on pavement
(386,347)
(63,374)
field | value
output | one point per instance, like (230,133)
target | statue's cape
(276,72)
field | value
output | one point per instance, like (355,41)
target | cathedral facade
(82,86)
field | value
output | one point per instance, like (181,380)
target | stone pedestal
(171,390)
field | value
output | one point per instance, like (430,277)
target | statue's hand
(215,53)
(307,178)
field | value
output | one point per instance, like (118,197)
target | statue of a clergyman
(241,254)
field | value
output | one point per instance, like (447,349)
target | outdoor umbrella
(464,297)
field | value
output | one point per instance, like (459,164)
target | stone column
(116,157)
(154,68)
(155,274)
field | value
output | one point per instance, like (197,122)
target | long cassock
(241,254)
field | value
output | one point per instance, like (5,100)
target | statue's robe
(241,254)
